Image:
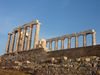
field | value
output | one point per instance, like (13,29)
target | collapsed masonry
(20,39)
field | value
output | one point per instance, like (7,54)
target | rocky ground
(59,66)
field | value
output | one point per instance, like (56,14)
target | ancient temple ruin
(23,37)
(53,56)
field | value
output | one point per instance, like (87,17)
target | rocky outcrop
(40,62)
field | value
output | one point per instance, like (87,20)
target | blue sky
(57,17)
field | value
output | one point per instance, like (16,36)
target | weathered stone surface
(40,62)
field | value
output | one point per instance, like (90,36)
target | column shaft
(8,43)
(84,40)
(69,42)
(18,39)
(12,43)
(76,41)
(50,45)
(36,37)
(30,37)
(26,42)
(62,44)
(94,38)
(56,44)
(23,38)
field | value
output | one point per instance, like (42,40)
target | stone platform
(76,61)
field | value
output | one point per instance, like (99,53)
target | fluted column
(62,43)
(56,44)
(84,40)
(12,43)
(8,43)
(94,38)
(76,41)
(30,37)
(26,39)
(69,42)
(23,38)
(36,37)
(18,39)
(50,44)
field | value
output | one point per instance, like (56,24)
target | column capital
(31,26)
(62,38)
(69,37)
(25,27)
(19,29)
(9,33)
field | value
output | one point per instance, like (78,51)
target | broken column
(36,37)
(8,43)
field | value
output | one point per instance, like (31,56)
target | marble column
(18,39)
(50,45)
(56,44)
(8,43)
(36,37)
(76,41)
(84,40)
(30,37)
(62,43)
(94,38)
(12,43)
(26,39)
(23,39)
(69,42)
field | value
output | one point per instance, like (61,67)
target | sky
(57,17)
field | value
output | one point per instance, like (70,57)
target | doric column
(8,43)
(30,37)
(18,39)
(94,38)
(56,44)
(50,45)
(84,40)
(12,43)
(23,38)
(69,42)
(62,43)
(36,37)
(76,41)
(26,39)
